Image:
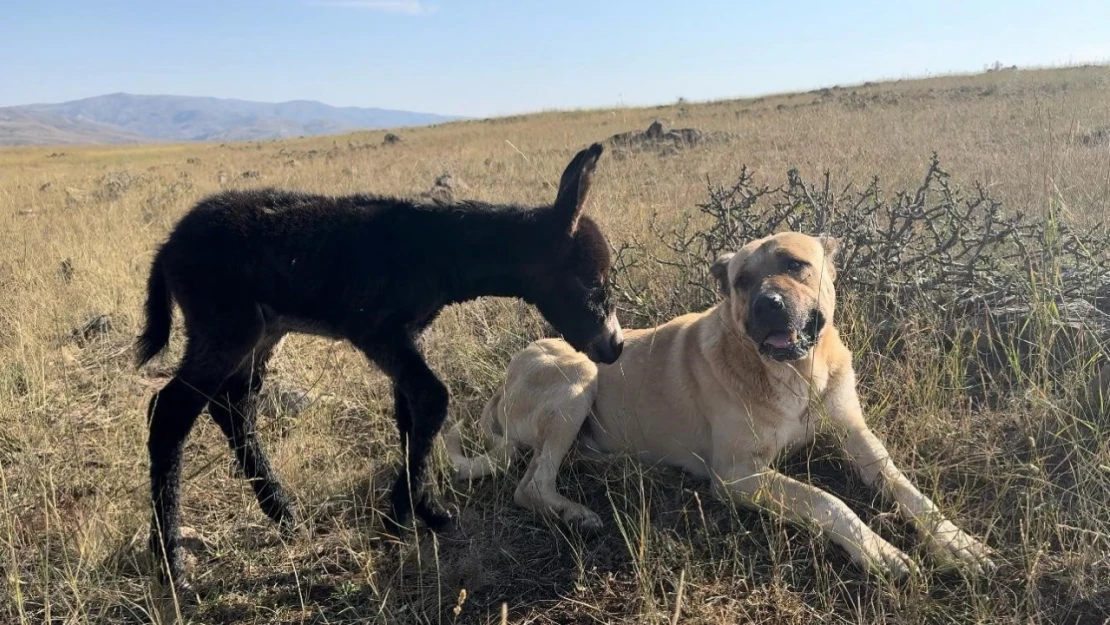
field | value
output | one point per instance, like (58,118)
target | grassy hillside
(77,230)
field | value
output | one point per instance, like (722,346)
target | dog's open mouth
(783,345)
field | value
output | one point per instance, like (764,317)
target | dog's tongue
(779,340)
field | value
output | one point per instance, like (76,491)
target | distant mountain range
(127,118)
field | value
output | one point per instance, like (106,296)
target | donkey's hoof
(396,527)
(285,517)
(174,590)
(440,522)
(445,524)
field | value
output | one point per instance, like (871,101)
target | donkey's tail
(499,450)
(159,314)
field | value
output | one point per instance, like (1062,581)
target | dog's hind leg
(500,450)
(558,430)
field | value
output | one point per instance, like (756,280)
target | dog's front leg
(945,541)
(804,504)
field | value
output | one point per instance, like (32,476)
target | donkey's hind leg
(217,344)
(172,413)
(234,409)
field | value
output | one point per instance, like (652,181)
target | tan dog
(720,394)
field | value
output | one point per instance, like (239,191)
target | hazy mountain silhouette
(123,117)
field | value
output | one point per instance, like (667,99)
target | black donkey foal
(246,267)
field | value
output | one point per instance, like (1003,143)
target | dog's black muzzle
(779,331)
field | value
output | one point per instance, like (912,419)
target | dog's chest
(789,420)
(789,427)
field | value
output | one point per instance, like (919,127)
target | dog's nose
(768,303)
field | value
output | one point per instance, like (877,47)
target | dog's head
(779,292)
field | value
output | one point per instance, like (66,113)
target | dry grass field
(1029,472)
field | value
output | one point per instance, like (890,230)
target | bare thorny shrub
(958,259)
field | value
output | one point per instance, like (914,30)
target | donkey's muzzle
(606,352)
(607,348)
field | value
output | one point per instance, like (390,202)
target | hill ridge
(123,117)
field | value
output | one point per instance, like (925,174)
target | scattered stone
(658,136)
(288,401)
(1095,138)
(443,190)
(250,173)
(112,185)
(192,540)
(96,327)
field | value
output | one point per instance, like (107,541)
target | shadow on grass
(660,525)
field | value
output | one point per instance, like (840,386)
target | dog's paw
(954,548)
(885,560)
(581,517)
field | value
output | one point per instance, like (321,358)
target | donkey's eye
(592,283)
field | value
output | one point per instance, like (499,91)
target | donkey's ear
(719,270)
(574,186)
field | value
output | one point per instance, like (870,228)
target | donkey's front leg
(420,402)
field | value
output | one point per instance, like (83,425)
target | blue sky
(477,58)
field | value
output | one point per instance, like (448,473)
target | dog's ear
(831,245)
(719,270)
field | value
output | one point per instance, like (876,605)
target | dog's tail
(499,450)
(159,314)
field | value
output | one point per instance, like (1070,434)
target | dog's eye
(743,282)
(793,265)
